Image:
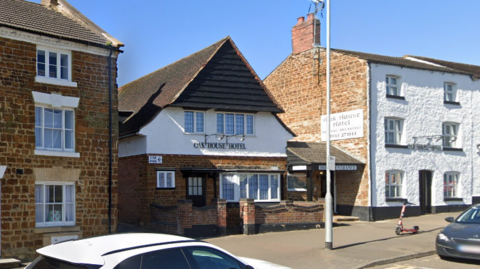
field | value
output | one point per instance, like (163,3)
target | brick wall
(135,173)
(299,85)
(19,237)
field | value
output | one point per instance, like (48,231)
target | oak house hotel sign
(344,125)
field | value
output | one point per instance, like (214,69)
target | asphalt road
(431,262)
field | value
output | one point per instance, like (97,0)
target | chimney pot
(310,16)
(300,20)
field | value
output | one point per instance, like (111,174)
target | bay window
(260,187)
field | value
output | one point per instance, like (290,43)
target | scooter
(399,228)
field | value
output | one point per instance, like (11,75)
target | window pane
(161,180)
(57,139)
(48,117)
(263,187)
(38,137)
(228,186)
(274,187)
(253,187)
(243,186)
(64,66)
(189,121)
(200,122)
(220,126)
(39,214)
(393,81)
(239,123)
(58,118)
(38,116)
(41,63)
(68,139)
(249,124)
(229,125)
(169,180)
(58,194)
(69,212)
(52,68)
(69,193)
(69,119)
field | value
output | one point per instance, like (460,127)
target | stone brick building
(54,126)
(411,120)
(202,128)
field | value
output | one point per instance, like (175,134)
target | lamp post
(328,196)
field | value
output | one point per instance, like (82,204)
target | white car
(141,251)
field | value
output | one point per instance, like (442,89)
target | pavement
(357,244)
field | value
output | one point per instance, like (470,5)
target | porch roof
(307,153)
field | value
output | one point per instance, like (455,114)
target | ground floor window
(393,184)
(54,204)
(297,182)
(450,185)
(260,187)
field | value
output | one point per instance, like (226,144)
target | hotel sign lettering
(339,167)
(344,125)
(424,147)
(208,145)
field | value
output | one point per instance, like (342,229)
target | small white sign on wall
(155,159)
(344,125)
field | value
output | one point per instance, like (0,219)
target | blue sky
(159,32)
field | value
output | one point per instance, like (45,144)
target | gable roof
(217,77)
(60,21)
(306,153)
(474,70)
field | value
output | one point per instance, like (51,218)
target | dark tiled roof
(401,61)
(474,70)
(52,21)
(303,153)
(216,77)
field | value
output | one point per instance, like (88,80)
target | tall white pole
(328,196)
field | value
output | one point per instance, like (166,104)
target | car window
(130,263)
(165,259)
(50,263)
(208,258)
(472,215)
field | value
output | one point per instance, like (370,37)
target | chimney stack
(303,36)
(49,2)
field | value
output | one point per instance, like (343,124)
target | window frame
(63,129)
(296,175)
(397,134)
(64,203)
(398,186)
(452,91)
(245,126)
(58,65)
(237,188)
(165,185)
(195,122)
(454,184)
(389,85)
(450,140)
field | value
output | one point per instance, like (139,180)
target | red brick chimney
(303,33)
(49,2)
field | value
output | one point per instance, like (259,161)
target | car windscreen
(50,263)
(472,215)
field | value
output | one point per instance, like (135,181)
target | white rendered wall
(165,135)
(423,112)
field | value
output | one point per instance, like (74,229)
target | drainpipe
(371,151)
(110,140)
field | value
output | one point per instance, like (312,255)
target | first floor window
(165,179)
(53,64)
(450,133)
(392,86)
(449,92)
(393,131)
(194,122)
(234,124)
(260,187)
(54,204)
(393,184)
(450,185)
(54,129)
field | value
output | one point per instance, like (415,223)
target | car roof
(91,250)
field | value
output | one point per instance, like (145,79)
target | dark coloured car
(461,238)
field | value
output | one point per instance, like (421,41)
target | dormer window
(54,67)
(234,124)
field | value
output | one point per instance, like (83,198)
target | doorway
(425,181)
(196,190)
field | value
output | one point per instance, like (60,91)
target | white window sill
(296,189)
(57,153)
(54,81)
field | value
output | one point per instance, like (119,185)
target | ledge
(452,149)
(391,200)
(395,146)
(451,103)
(57,153)
(54,81)
(453,199)
(396,97)
(58,229)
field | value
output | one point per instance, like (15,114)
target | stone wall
(19,236)
(299,85)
